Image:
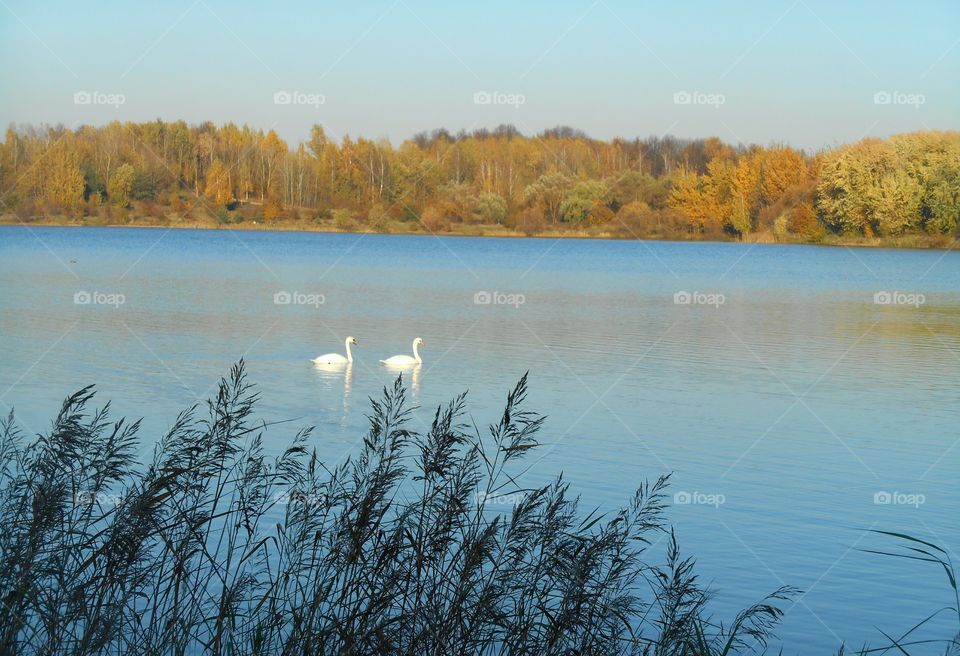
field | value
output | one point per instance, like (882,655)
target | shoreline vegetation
(903,191)
(420,543)
(923,242)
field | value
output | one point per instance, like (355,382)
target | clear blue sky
(803,72)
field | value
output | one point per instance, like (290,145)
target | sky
(808,73)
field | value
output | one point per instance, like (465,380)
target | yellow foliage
(218,188)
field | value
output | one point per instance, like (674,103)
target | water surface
(785,412)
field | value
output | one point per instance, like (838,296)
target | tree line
(558,180)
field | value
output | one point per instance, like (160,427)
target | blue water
(781,411)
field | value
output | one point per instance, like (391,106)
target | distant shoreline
(913,242)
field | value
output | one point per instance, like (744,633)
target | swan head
(353,341)
(419,342)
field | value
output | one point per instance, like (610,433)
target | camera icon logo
(82,98)
(882,298)
(282,298)
(682,298)
(682,98)
(482,298)
(282,98)
(882,498)
(82,298)
(482,98)
(682,498)
(882,98)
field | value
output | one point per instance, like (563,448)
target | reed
(210,546)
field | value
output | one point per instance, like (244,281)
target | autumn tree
(849,183)
(560,178)
(272,150)
(894,186)
(273,207)
(58,180)
(120,186)
(694,196)
(803,222)
(941,199)
(939,161)
(780,168)
(218,189)
(548,193)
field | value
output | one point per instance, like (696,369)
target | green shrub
(343,219)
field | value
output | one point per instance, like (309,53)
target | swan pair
(395,361)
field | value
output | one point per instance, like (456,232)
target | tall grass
(910,547)
(211,546)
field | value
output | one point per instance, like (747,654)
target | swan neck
(349,353)
(416,353)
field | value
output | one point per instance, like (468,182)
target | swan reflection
(330,373)
(411,375)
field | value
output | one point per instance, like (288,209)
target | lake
(799,394)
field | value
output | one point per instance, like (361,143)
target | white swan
(405,360)
(336,358)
